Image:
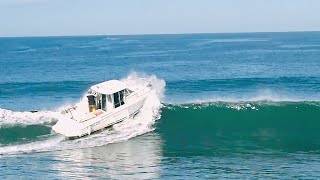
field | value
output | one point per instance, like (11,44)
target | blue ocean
(228,106)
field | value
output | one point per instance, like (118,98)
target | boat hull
(73,129)
(99,128)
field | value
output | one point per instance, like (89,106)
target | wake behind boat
(104,105)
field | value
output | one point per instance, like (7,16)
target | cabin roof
(109,87)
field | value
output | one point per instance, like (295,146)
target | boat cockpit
(99,101)
(101,98)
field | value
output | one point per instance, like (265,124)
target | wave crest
(12,118)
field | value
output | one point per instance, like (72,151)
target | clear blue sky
(91,17)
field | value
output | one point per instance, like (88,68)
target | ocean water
(236,106)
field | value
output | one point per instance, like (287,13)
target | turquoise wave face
(211,128)
(22,134)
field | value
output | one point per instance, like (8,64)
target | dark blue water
(195,67)
(236,106)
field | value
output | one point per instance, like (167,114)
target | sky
(117,17)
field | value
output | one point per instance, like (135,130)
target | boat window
(91,100)
(116,99)
(98,101)
(109,99)
(127,92)
(92,103)
(121,97)
(104,99)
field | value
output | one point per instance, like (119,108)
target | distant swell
(244,89)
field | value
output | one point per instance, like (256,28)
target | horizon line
(151,34)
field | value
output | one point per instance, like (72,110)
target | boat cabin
(107,96)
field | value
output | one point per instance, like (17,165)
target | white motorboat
(104,105)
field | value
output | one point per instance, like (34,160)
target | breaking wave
(246,126)
(12,118)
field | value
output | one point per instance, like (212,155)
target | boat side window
(121,97)
(104,101)
(116,99)
(98,101)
